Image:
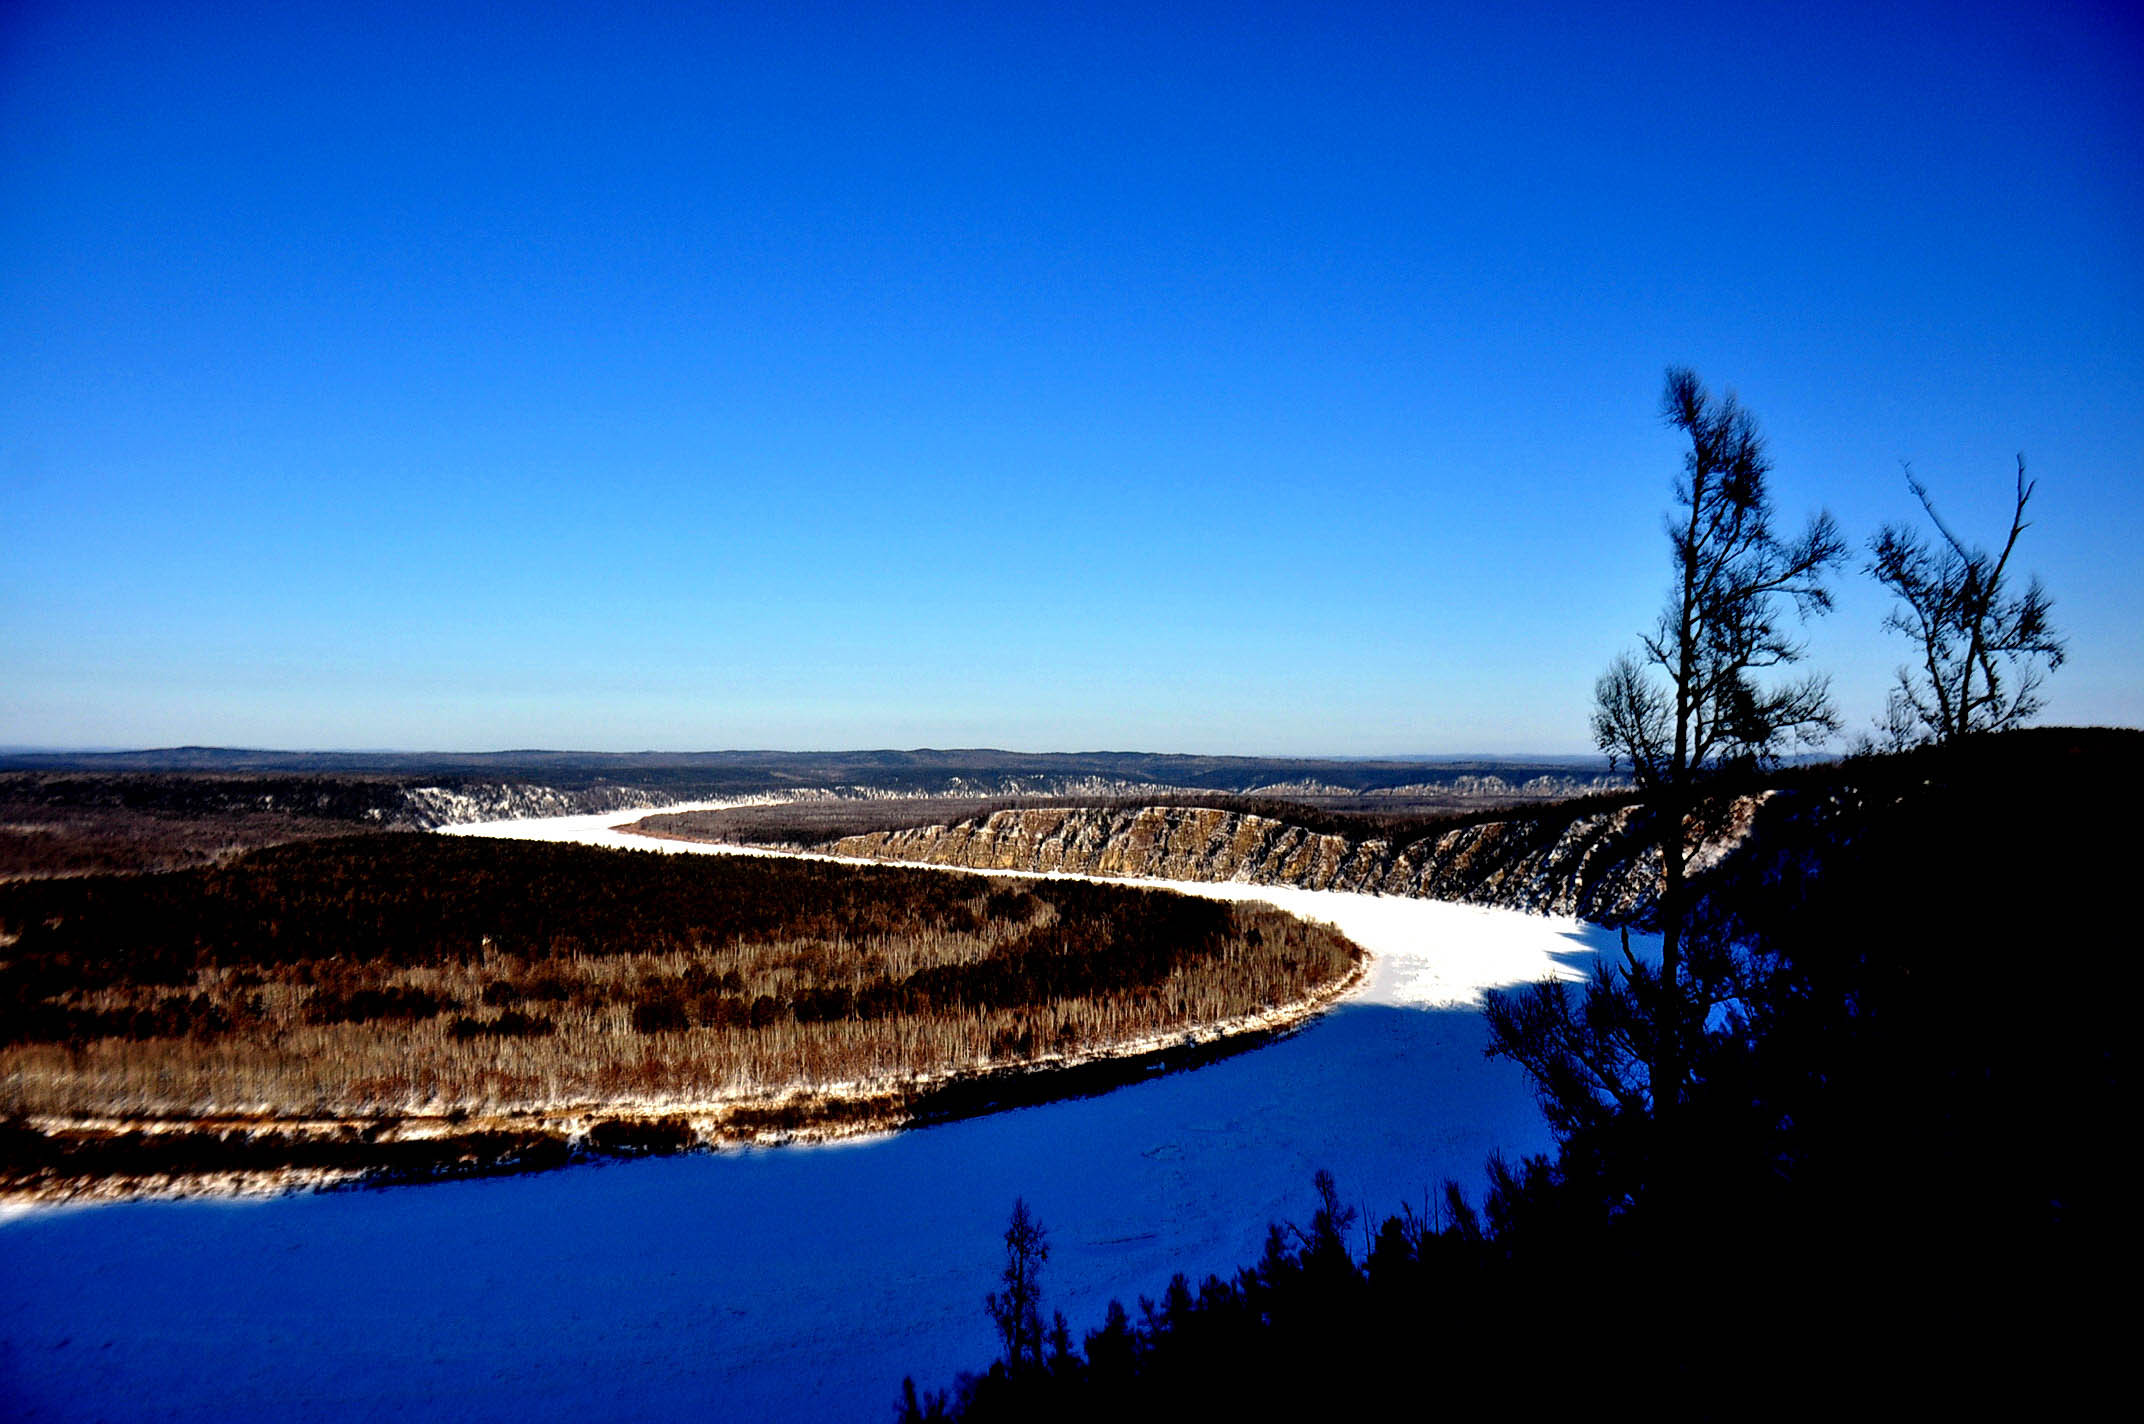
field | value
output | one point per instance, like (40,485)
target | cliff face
(1596,865)
(429,807)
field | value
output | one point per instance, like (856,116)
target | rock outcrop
(1599,865)
(429,807)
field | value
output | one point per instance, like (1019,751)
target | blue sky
(1244,379)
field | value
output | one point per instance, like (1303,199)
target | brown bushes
(416,975)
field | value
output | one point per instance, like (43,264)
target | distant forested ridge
(78,813)
(922,771)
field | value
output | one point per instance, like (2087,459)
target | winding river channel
(786,1282)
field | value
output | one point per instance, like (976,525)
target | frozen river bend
(794,1282)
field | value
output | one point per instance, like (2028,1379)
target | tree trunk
(1669,1015)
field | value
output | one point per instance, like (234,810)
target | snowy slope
(797,1282)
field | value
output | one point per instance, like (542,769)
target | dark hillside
(82,823)
(1898,1181)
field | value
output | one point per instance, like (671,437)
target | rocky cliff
(1596,864)
(429,807)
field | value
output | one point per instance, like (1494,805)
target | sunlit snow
(790,1282)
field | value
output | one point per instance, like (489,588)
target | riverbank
(699,1006)
(53,1162)
(788,1282)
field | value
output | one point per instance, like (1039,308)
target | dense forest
(396,975)
(85,823)
(1895,1181)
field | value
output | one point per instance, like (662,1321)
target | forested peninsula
(397,1006)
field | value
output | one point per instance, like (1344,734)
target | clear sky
(1245,379)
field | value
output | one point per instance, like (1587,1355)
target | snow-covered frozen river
(793,1282)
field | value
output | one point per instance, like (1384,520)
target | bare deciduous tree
(1983,654)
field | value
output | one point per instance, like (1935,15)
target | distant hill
(67,813)
(927,771)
